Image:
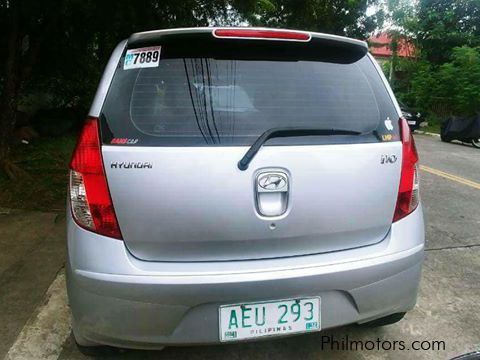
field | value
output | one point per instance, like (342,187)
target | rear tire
(87,347)
(476,143)
(90,351)
(387,320)
(95,351)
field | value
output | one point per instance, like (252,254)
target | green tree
(401,14)
(334,16)
(452,88)
(443,78)
(446,24)
(27,24)
(61,46)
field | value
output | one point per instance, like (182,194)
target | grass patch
(434,124)
(432,128)
(45,187)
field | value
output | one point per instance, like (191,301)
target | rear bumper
(121,301)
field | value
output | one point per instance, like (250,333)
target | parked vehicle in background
(413,117)
(260,183)
(466,130)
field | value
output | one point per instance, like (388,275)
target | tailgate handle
(272,193)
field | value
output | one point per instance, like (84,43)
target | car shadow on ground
(303,347)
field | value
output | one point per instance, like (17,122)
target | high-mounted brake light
(408,192)
(260,34)
(90,199)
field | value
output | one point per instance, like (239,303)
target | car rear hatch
(175,127)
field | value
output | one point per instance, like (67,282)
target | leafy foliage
(446,24)
(335,16)
(444,80)
(451,88)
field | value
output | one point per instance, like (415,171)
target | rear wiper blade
(288,132)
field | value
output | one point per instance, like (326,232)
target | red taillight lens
(90,199)
(262,34)
(408,192)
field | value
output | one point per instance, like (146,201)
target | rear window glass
(228,98)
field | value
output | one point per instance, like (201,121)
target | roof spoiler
(142,38)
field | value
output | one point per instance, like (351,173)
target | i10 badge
(270,318)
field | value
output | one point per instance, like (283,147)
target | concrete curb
(426,133)
(43,335)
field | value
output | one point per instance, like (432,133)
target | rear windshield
(230,95)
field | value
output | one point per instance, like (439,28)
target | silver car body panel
(195,205)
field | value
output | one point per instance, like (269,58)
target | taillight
(408,192)
(262,34)
(90,199)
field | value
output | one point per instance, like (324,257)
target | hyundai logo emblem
(272,182)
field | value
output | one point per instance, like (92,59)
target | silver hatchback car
(236,183)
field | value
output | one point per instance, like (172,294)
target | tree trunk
(394,44)
(8,104)
(18,69)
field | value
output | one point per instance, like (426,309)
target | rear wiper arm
(287,132)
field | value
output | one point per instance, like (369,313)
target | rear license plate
(269,318)
(411,122)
